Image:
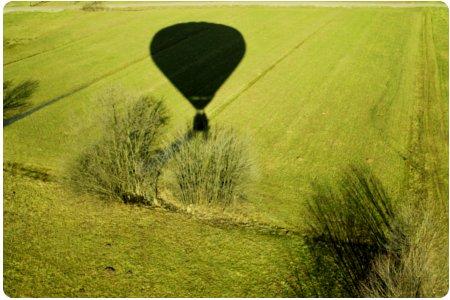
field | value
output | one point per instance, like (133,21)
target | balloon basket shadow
(200,122)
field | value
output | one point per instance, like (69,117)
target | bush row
(131,162)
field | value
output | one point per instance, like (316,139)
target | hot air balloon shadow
(197,58)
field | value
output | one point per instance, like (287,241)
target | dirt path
(131,5)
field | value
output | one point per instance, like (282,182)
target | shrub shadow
(16,96)
(353,223)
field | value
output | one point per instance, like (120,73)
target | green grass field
(319,88)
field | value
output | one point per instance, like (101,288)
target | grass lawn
(319,88)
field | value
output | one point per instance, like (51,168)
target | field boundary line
(228,222)
(263,73)
(209,218)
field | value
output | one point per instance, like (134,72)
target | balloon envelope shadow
(197,58)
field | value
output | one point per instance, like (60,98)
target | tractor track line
(18,117)
(271,67)
(426,134)
(60,46)
(63,45)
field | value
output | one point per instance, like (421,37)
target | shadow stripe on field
(18,117)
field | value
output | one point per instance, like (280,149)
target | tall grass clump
(16,96)
(372,249)
(422,270)
(208,168)
(124,164)
(356,224)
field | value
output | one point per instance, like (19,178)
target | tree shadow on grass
(352,223)
(16,96)
(314,273)
(197,58)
